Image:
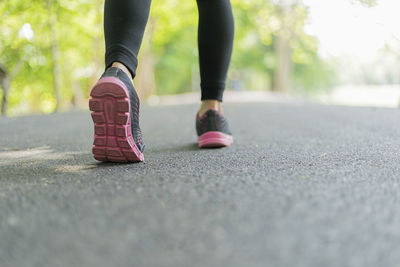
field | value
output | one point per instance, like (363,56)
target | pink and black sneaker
(213,130)
(115,113)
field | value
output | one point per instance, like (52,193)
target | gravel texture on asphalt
(302,185)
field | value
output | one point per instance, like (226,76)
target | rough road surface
(303,185)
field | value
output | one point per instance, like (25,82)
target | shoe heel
(110,108)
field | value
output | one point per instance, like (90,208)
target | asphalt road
(302,185)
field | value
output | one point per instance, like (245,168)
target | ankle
(209,104)
(121,66)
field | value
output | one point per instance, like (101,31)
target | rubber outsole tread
(110,108)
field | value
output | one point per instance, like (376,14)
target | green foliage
(78,31)
(174,44)
(368,3)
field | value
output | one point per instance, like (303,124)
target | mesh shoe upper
(212,120)
(135,103)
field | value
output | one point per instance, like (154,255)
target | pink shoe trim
(214,139)
(110,106)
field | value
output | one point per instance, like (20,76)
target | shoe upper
(212,120)
(134,101)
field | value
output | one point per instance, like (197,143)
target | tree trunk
(283,71)
(286,10)
(5,81)
(55,53)
(144,81)
(5,85)
(78,99)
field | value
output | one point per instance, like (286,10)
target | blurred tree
(5,85)
(368,3)
(286,17)
(58,46)
(52,51)
(144,81)
(52,16)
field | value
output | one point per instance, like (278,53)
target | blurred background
(335,52)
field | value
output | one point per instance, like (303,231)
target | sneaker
(115,113)
(213,130)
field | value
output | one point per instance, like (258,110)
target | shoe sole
(110,108)
(214,139)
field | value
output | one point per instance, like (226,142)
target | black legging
(125,22)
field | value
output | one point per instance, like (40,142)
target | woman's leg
(124,25)
(215,42)
(114,102)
